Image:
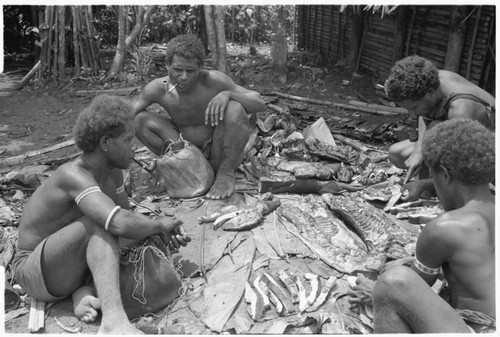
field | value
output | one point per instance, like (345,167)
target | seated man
(433,95)
(461,241)
(70,227)
(205,106)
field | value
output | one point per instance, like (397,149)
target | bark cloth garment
(27,268)
(440,111)
(482,322)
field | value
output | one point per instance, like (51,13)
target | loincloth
(27,268)
(480,322)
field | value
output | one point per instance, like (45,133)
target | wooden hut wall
(327,31)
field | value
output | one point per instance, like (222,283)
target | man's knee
(142,120)
(396,155)
(235,113)
(393,282)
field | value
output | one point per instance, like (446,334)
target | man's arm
(251,100)
(105,212)
(148,95)
(414,162)
(434,247)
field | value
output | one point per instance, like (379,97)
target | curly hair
(188,46)
(411,78)
(465,147)
(105,116)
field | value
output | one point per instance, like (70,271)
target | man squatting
(204,106)
(434,96)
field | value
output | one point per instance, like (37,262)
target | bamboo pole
(45,32)
(91,51)
(55,52)
(81,36)
(338,105)
(61,55)
(76,42)
(93,41)
(378,107)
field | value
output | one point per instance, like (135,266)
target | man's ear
(103,143)
(446,175)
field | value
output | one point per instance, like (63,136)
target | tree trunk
(141,21)
(118,60)
(301,9)
(214,17)
(211,34)
(456,39)
(221,39)
(279,53)
(356,37)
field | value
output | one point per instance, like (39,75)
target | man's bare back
(470,271)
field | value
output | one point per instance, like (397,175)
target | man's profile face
(420,107)
(121,150)
(183,72)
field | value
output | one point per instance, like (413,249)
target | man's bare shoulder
(73,175)
(455,226)
(155,89)
(216,78)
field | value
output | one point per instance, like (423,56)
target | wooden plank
(37,315)
(20,158)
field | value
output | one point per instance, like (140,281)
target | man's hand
(216,108)
(169,224)
(178,238)
(414,190)
(414,164)
(405,261)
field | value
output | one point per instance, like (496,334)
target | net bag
(149,281)
(183,171)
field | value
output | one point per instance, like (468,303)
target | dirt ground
(35,118)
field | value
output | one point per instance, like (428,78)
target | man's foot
(222,187)
(119,328)
(85,304)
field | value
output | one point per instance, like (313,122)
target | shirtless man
(433,95)
(206,107)
(461,241)
(70,227)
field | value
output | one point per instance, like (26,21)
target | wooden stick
(37,315)
(351,142)
(378,107)
(30,74)
(338,105)
(20,158)
(117,91)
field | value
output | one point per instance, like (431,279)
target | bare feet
(222,187)
(85,304)
(119,328)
